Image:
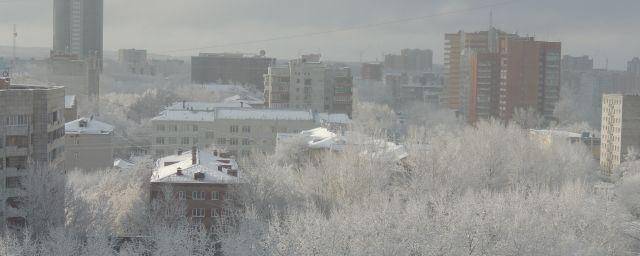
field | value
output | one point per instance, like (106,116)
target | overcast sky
(602,29)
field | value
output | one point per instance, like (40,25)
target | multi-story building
(577,64)
(480,85)
(240,131)
(78,28)
(409,60)
(31,136)
(371,71)
(457,43)
(620,129)
(308,84)
(529,76)
(230,68)
(89,145)
(407,89)
(198,183)
(135,61)
(79,76)
(633,66)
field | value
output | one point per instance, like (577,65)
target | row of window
(16,120)
(201,195)
(215,212)
(173,141)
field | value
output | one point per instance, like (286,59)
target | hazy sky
(593,27)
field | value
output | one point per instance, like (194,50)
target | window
(233,141)
(173,128)
(246,142)
(197,195)
(215,195)
(159,152)
(225,196)
(195,140)
(77,141)
(222,141)
(185,140)
(160,127)
(75,155)
(233,128)
(197,212)
(226,211)
(181,195)
(160,140)
(209,135)
(246,153)
(13,182)
(215,212)
(172,141)
(246,129)
(273,129)
(18,141)
(195,128)
(1,143)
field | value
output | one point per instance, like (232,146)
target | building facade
(409,60)
(620,129)
(239,131)
(480,85)
(633,66)
(576,64)
(70,107)
(530,77)
(78,28)
(89,145)
(198,183)
(230,68)
(308,84)
(31,135)
(372,71)
(134,60)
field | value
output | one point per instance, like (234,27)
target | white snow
(185,115)
(337,118)
(205,106)
(92,127)
(69,101)
(207,163)
(264,114)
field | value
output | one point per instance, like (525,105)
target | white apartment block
(89,145)
(239,131)
(620,128)
(308,84)
(31,134)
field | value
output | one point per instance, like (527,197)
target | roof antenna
(490,19)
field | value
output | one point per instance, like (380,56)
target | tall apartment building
(576,64)
(135,60)
(78,28)
(371,71)
(480,85)
(31,134)
(633,66)
(200,183)
(230,68)
(409,60)
(239,131)
(79,77)
(620,128)
(455,45)
(308,84)
(89,145)
(530,76)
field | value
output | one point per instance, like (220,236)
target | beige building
(198,180)
(89,145)
(308,84)
(236,130)
(620,128)
(31,132)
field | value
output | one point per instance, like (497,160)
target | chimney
(194,155)
(184,104)
(179,171)
(179,151)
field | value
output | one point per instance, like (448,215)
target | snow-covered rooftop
(264,114)
(336,118)
(69,101)
(246,99)
(87,126)
(215,169)
(322,138)
(557,133)
(185,115)
(205,106)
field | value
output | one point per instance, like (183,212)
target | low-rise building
(201,181)
(547,137)
(89,145)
